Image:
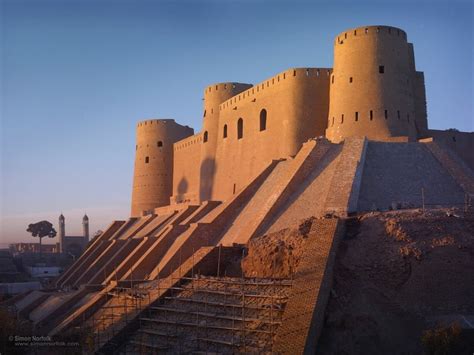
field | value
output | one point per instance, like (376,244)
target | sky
(76,76)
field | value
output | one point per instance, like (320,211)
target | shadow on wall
(207,172)
(182,186)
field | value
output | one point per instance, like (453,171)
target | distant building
(24,248)
(73,245)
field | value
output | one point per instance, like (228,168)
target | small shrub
(441,340)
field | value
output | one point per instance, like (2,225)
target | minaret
(85,228)
(62,232)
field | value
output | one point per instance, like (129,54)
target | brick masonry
(304,314)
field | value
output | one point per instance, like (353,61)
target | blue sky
(77,75)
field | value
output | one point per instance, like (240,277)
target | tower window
(333,121)
(205,136)
(204,113)
(342,118)
(371,114)
(398,114)
(381,69)
(357,116)
(240,128)
(332,79)
(224,133)
(386,114)
(350,79)
(263,120)
(160,143)
(147,160)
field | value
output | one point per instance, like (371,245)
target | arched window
(147,160)
(205,137)
(263,120)
(224,134)
(240,128)
(160,143)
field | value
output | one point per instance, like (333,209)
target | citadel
(234,231)
(373,91)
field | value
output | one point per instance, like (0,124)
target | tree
(41,229)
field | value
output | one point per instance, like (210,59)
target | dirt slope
(395,271)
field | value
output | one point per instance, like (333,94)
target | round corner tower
(371,87)
(214,95)
(153,172)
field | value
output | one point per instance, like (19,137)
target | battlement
(155,121)
(187,142)
(370,31)
(228,86)
(275,81)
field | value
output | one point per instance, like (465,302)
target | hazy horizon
(76,76)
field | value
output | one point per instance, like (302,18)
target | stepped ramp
(91,249)
(108,267)
(396,173)
(127,263)
(155,226)
(97,264)
(80,269)
(310,197)
(137,226)
(274,192)
(159,246)
(304,313)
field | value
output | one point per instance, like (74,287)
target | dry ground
(395,271)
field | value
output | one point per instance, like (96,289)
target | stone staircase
(212,315)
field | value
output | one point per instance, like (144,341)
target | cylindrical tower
(61,232)
(85,228)
(214,95)
(371,87)
(153,173)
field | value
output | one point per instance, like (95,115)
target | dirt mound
(394,272)
(276,254)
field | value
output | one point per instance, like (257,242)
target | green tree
(41,229)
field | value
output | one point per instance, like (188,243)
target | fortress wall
(371,90)
(153,173)
(296,104)
(214,95)
(462,143)
(421,115)
(186,162)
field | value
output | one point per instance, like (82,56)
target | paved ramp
(397,172)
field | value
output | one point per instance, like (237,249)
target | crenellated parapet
(291,76)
